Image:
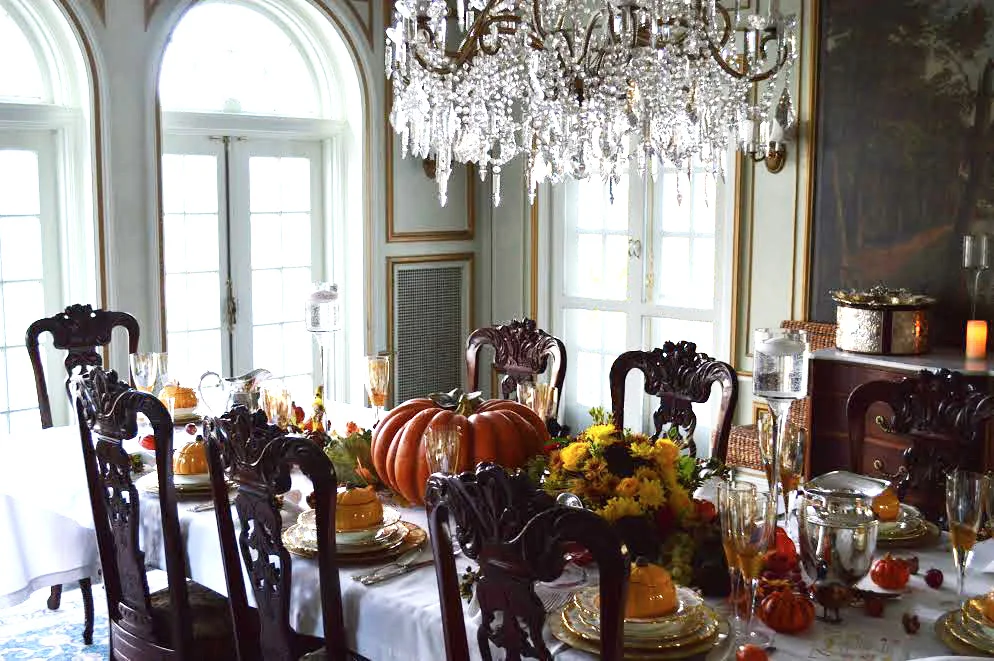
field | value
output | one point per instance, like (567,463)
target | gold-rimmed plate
(927,535)
(909,522)
(688,615)
(717,646)
(973,613)
(955,634)
(149,483)
(702,632)
(304,537)
(414,537)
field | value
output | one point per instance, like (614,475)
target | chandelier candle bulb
(976,339)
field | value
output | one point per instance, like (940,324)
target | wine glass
(144,370)
(377,383)
(539,397)
(965,493)
(780,376)
(725,491)
(753,520)
(441,443)
(793,448)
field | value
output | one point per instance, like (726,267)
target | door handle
(230,307)
(635,248)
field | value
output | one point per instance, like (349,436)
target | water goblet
(792,449)
(442,443)
(965,492)
(753,520)
(377,383)
(780,376)
(724,492)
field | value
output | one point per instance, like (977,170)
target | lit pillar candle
(976,339)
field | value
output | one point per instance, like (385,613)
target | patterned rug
(31,631)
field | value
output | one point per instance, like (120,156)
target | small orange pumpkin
(890,573)
(787,612)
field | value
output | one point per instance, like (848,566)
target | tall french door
(243,238)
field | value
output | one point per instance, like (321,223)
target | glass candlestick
(323,318)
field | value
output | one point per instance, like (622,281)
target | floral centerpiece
(351,455)
(645,488)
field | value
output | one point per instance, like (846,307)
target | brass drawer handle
(879,467)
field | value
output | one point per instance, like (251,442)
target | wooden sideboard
(835,373)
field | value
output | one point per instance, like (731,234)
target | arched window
(47,229)
(257,146)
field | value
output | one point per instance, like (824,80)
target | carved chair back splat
(521,352)
(143,625)
(679,376)
(79,330)
(258,457)
(943,415)
(517,534)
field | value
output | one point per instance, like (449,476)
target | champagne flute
(753,519)
(792,454)
(441,443)
(377,383)
(965,493)
(144,370)
(724,502)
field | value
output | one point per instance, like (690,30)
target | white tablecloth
(48,539)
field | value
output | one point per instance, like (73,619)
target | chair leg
(86,587)
(55,598)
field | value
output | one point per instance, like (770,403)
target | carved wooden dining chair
(258,457)
(518,535)
(184,620)
(521,352)
(943,416)
(79,330)
(679,376)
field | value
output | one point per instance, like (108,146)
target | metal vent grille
(430,329)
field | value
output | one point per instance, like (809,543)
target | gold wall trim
(367,156)
(467,257)
(812,137)
(733,345)
(393,236)
(533,250)
(98,140)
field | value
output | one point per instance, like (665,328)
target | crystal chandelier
(585,87)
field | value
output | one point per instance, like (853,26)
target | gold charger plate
(394,537)
(950,630)
(720,640)
(974,618)
(927,536)
(705,631)
(415,537)
(149,483)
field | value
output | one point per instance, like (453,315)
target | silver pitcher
(224,393)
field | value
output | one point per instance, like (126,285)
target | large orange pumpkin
(496,430)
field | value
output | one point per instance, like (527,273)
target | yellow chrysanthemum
(600,433)
(642,450)
(574,454)
(651,494)
(628,487)
(620,507)
(595,469)
(646,473)
(555,461)
(680,503)
(666,452)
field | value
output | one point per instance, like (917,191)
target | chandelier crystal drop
(585,87)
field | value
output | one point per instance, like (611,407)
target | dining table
(48,539)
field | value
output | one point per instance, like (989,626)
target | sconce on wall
(766,141)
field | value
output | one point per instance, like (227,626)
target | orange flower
(351,428)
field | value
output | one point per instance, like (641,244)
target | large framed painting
(904,94)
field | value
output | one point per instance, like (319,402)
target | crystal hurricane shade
(581,87)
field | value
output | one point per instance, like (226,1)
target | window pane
(676,202)
(21,421)
(295,184)
(19,183)
(267,240)
(3,378)
(296,239)
(230,58)
(267,297)
(20,248)
(20,380)
(705,204)
(701,333)
(296,287)
(673,271)
(599,338)
(20,79)
(264,184)
(24,302)
(703,274)
(267,348)
(297,353)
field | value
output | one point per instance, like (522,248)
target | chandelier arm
(744,75)
(471,44)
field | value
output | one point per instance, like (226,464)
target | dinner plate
(687,616)
(973,612)
(414,537)
(928,535)
(716,642)
(149,483)
(390,538)
(953,633)
(704,629)
(192,480)
(909,522)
